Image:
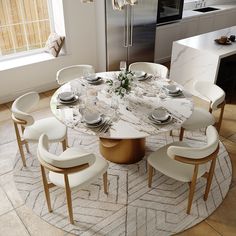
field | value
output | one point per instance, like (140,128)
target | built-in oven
(169,10)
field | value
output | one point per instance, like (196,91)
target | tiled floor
(16,219)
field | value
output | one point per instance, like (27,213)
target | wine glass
(123,65)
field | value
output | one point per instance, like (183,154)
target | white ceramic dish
(172,89)
(98,79)
(66,96)
(96,125)
(139,74)
(165,122)
(160,115)
(179,93)
(92,118)
(92,78)
(74,99)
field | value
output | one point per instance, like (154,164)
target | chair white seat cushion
(172,168)
(200,118)
(53,128)
(82,177)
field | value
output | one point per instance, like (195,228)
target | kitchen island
(201,58)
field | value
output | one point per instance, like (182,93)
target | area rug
(130,208)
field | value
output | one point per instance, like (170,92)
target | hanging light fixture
(117,4)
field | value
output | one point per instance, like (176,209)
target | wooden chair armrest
(63,170)
(197,161)
(18,121)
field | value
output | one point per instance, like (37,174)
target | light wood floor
(18,220)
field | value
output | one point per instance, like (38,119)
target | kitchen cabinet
(165,35)
(205,24)
(225,19)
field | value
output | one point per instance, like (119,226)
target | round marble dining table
(122,137)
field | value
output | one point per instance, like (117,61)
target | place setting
(141,75)
(173,90)
(93,79)
(96,121)
(67,98)
(160,116)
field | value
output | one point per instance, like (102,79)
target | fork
(105,126)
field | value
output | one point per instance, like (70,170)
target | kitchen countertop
(198,58)
(205,42)
(221,7)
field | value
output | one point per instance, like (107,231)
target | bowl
(66,96)
(139,73)
(160,114)
(172,88)
(92,118)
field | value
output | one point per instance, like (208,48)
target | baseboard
(42,88)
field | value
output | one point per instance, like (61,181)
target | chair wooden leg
(19,142)
(26,144)
(105,183)
(171,133)
(221,117)
(46,188)
(181,135)
(64,144)
(192,189)
(150,174)
(27,147)
(209,179)
(68,197)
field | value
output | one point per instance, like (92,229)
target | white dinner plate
(98,80)
(179,93)
(165,122)
(74,99)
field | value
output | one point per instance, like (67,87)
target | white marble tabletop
(130,120)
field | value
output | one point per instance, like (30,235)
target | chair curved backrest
(198,152)
(62,161)
(72,72)
(151,68)
(22,105)
(210,91)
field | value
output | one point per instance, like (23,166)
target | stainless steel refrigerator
(130,33)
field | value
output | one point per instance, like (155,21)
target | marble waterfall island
(199,58)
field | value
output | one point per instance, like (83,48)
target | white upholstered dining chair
(184,163)
(151,68)
(75,167)
(200,117)
(69,73)
(29,130)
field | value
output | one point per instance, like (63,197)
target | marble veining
(198,58)
(130,119)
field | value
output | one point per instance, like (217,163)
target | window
(24,25)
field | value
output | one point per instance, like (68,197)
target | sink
(206,9)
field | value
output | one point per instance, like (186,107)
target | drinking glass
(123,65)
(114,103)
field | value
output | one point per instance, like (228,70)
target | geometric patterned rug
(130,208)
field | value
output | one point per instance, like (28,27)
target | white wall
(81,49)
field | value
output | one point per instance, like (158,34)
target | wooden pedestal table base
(122,151)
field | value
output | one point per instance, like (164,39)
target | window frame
(37,50)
